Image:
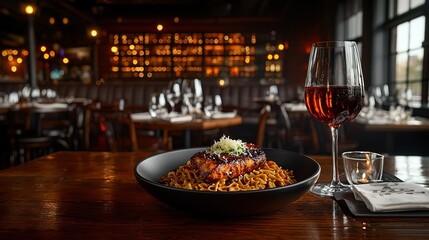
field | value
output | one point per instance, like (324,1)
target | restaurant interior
(113,75)
(214,119)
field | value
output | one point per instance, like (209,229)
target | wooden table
(187,126)
(94,195)
(416,124)
(410,134)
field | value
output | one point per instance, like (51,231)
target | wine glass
(217,103)
(334,94)
(192,92)
(173,94)
(157,105)
(208,106)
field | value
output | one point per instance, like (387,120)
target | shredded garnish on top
(225,145)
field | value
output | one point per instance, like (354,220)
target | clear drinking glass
(208,106)
(192,92)
(363,167)
(173,94)
(217,103)
(157,105)
(334,94)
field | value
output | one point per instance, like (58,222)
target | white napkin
(50,105)
(140,116)
(392,196)
(378,121)
(6,104)
(218,115)
(179,118)
(297,107)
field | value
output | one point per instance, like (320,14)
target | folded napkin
(379,121)
(179,118)
(6,104)
(296,107)
(392,196)
(218,115)
(140,116)
(50,105)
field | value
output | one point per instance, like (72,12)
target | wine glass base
(327,189)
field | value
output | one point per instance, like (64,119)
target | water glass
(217,103)
(208,106)
(158,105)
(363,167)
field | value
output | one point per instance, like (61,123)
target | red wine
(334,104)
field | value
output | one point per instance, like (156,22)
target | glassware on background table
(272,92)
(217,103)
(334,94)
(208,106)
(192,94)
(158,105)
(363,167)
(173,94)
(14,97)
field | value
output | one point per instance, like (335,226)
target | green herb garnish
(225,145)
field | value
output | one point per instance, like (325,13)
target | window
(399,55)
(395,37)
(399,7)
(349,21)
(406,55)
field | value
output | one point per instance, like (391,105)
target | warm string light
(93,33)
(14,58)
(30,9)
(273,63)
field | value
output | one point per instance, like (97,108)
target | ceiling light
(30,9)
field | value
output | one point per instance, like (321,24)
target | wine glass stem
(335,170)
(173,107)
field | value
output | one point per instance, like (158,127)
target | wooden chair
(112,129)
(38,131)
(323,144)
(105,128)
(63,127)
(120,130)
(262,122)
(292,136)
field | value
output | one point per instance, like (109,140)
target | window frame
(386,29)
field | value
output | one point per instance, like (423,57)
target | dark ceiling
(84,13)
(181,8)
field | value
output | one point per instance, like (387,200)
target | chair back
(263,116)
(114,124)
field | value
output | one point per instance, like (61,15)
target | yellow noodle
(270,175)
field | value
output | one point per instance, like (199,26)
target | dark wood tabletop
(187,126)
(416,124)
(94,195)
(195,124)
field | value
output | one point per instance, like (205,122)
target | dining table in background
(94,195)
(389,132)
(199,124)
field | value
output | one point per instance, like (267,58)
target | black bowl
(149,171)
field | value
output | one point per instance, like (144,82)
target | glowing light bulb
(30,9)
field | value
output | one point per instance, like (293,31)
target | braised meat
(213,167)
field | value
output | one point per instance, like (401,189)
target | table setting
(376,193)
(334,94)
(230,188)
(183,101)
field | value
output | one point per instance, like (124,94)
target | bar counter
(94,195)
